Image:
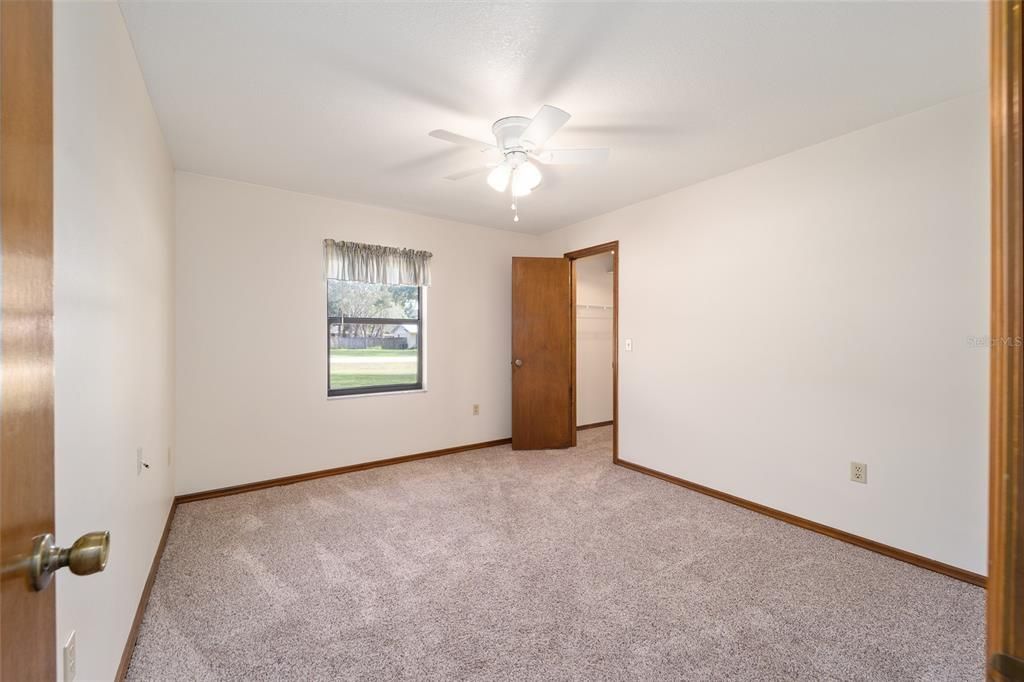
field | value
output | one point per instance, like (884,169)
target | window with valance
(375,325)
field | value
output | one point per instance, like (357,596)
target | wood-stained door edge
(613,248)
(1005,611)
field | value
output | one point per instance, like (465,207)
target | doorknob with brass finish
(88,555)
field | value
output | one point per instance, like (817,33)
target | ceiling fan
(519,142)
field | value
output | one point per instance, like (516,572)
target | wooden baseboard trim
(323,473)
(595,425)
(886,550)
(133,633)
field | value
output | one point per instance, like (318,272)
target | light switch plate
(70,662)
(629,345)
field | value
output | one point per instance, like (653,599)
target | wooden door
(1006,478)
(27,618)
(541,354)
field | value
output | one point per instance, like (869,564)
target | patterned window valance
(356,262)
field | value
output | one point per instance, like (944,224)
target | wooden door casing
(573,256)
(1005,616)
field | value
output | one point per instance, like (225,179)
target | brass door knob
(88,555)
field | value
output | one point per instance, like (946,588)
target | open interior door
(541,354)
(28,649)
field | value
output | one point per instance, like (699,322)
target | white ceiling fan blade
(493,156)
(555,157)
(461,175)
(455,138)
(545,124)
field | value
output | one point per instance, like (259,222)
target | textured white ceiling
(337,99)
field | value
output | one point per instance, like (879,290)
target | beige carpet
(544,565)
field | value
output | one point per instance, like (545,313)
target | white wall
(251,335)
(594,288)
(820,305)
(113,250)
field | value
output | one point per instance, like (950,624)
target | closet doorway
(595,333)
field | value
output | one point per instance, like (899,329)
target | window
(374,337)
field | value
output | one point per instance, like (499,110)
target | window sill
(378,394)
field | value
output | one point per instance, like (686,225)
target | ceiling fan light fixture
(525,179)
(499,177)
(517,139)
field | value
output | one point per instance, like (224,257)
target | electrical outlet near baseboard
(858,472)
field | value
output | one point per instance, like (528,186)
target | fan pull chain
(515,200)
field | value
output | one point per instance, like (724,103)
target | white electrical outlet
(858,472)
(629,345)
(476,410)
(70,664)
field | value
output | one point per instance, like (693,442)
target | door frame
(573,256)
(1005,610)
